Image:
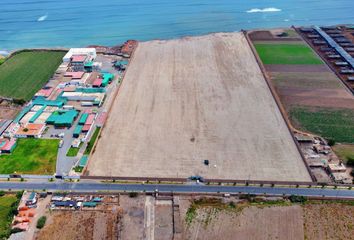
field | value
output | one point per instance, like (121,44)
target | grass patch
(344,152)
(92,141)
(72,152)
(8,207)
(78,169)
(31,156)
(286,54)
(328,123)
(23,74)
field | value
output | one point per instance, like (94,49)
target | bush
(331,142)
(2,193)
(352,173)
(41,222)
(16,230)
(297,199)
(350,161)
(133,194)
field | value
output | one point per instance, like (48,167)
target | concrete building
(91,52)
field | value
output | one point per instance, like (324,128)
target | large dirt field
(80,225)
(183,101)
(252,223)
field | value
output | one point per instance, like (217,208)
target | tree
(41,222)
(331,142)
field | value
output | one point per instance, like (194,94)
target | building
(62,118)
(30,130)
(7,145)
(337,168)
(32,199)
(90,52)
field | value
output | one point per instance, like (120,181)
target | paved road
(94,186)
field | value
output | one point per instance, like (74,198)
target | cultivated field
(187,100)
(22,75)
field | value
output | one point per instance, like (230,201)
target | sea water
(75,23)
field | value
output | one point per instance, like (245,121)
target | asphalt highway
(190,188)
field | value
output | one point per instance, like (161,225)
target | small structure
(337,168)
(83,161)
(30,130)
(91,52)
(32,199)
(7,145)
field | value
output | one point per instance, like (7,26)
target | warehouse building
(62,118)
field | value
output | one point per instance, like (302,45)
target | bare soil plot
(328,221)
(9,113)
(321,89)
(183,101)
(132,221)
(251,223)
(163,220)
(80,225)
(298,68)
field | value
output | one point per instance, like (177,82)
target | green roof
(42,101)
(83,118)
(37,114)
(83,161)
(88,64)
(62,117)
(89,204)
(90,90)
(78,129)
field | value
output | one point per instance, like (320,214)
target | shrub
(16,230)
(133,194)
(41,222)
(350,161)
(2,193)
(352,173)
(331,142)
(297,199)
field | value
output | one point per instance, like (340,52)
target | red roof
(90,119)
(45,92)
(78,58)
(8,145)
(74,75)
(101,118)
(86,127)
(97,82)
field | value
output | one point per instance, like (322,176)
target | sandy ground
(252,223)
(132,221)
(183,101)
(328,221)
(79,225)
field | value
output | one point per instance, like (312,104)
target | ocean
(76,23)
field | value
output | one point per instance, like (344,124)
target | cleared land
(286,54)
(328,221)
(253,223)
(183,101)
(80,225)
(31,156)
(22,75)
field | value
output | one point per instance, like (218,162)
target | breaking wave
(42,18)
(260,10)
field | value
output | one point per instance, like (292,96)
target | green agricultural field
(344,151)
(271,53)
(7,203)
(31,156)
(23,74)
(329,123)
